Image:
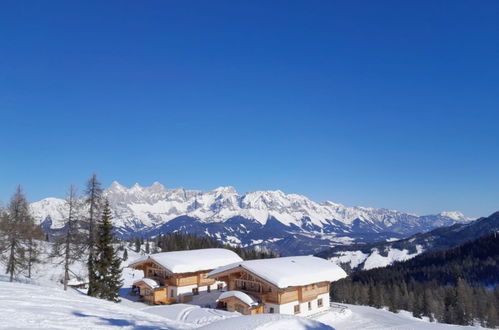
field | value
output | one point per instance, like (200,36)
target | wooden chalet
(176,276)
(289,285)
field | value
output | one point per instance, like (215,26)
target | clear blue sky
(378,103)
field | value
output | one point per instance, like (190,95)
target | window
(147,292)
(271,310)
(171,293)
(309,306)
(319,302)
(297,309)
(195,291)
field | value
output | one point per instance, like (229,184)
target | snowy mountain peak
(456,215)
(156,186)
(155,208)
(225,190)
(116,186)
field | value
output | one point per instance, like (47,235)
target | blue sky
(377,103)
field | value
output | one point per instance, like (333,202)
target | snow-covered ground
(364,317)
(27,306)
(374,258)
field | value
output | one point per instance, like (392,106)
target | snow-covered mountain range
(289,223)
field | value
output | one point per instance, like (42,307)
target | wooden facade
(233,304)
(169,283)
(153,296)
(164,277)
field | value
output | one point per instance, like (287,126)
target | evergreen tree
(93,200)
(125,254)
(107,263)
(137,245)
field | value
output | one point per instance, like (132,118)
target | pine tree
(125,254)
(94,201)
(107,264)
(137,245)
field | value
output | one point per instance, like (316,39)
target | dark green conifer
(107,264)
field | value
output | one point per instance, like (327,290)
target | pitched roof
(149,281)
(289,271)
(190,261)
(245,298)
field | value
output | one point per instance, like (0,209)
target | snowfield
(364,317)
(374,259)
(269,322)
(28,306)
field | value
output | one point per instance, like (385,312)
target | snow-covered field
(374,259)
(26,306)
(29,306)
(364,317)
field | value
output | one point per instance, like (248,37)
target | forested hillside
(183,241)
(458,285)
(360,256)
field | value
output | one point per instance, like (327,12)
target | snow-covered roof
(245,298)
(289,271)
(189,261)
(149,281)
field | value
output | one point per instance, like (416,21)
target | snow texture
(268,322)
(26,306)
(290,271)
(363,317)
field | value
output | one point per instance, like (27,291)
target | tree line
(456,286)
(184,241)
(88,233)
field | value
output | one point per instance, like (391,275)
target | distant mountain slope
(287,223)
(458,285)
(380,254)
(476,261)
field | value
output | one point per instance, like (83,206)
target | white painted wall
(289,308)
